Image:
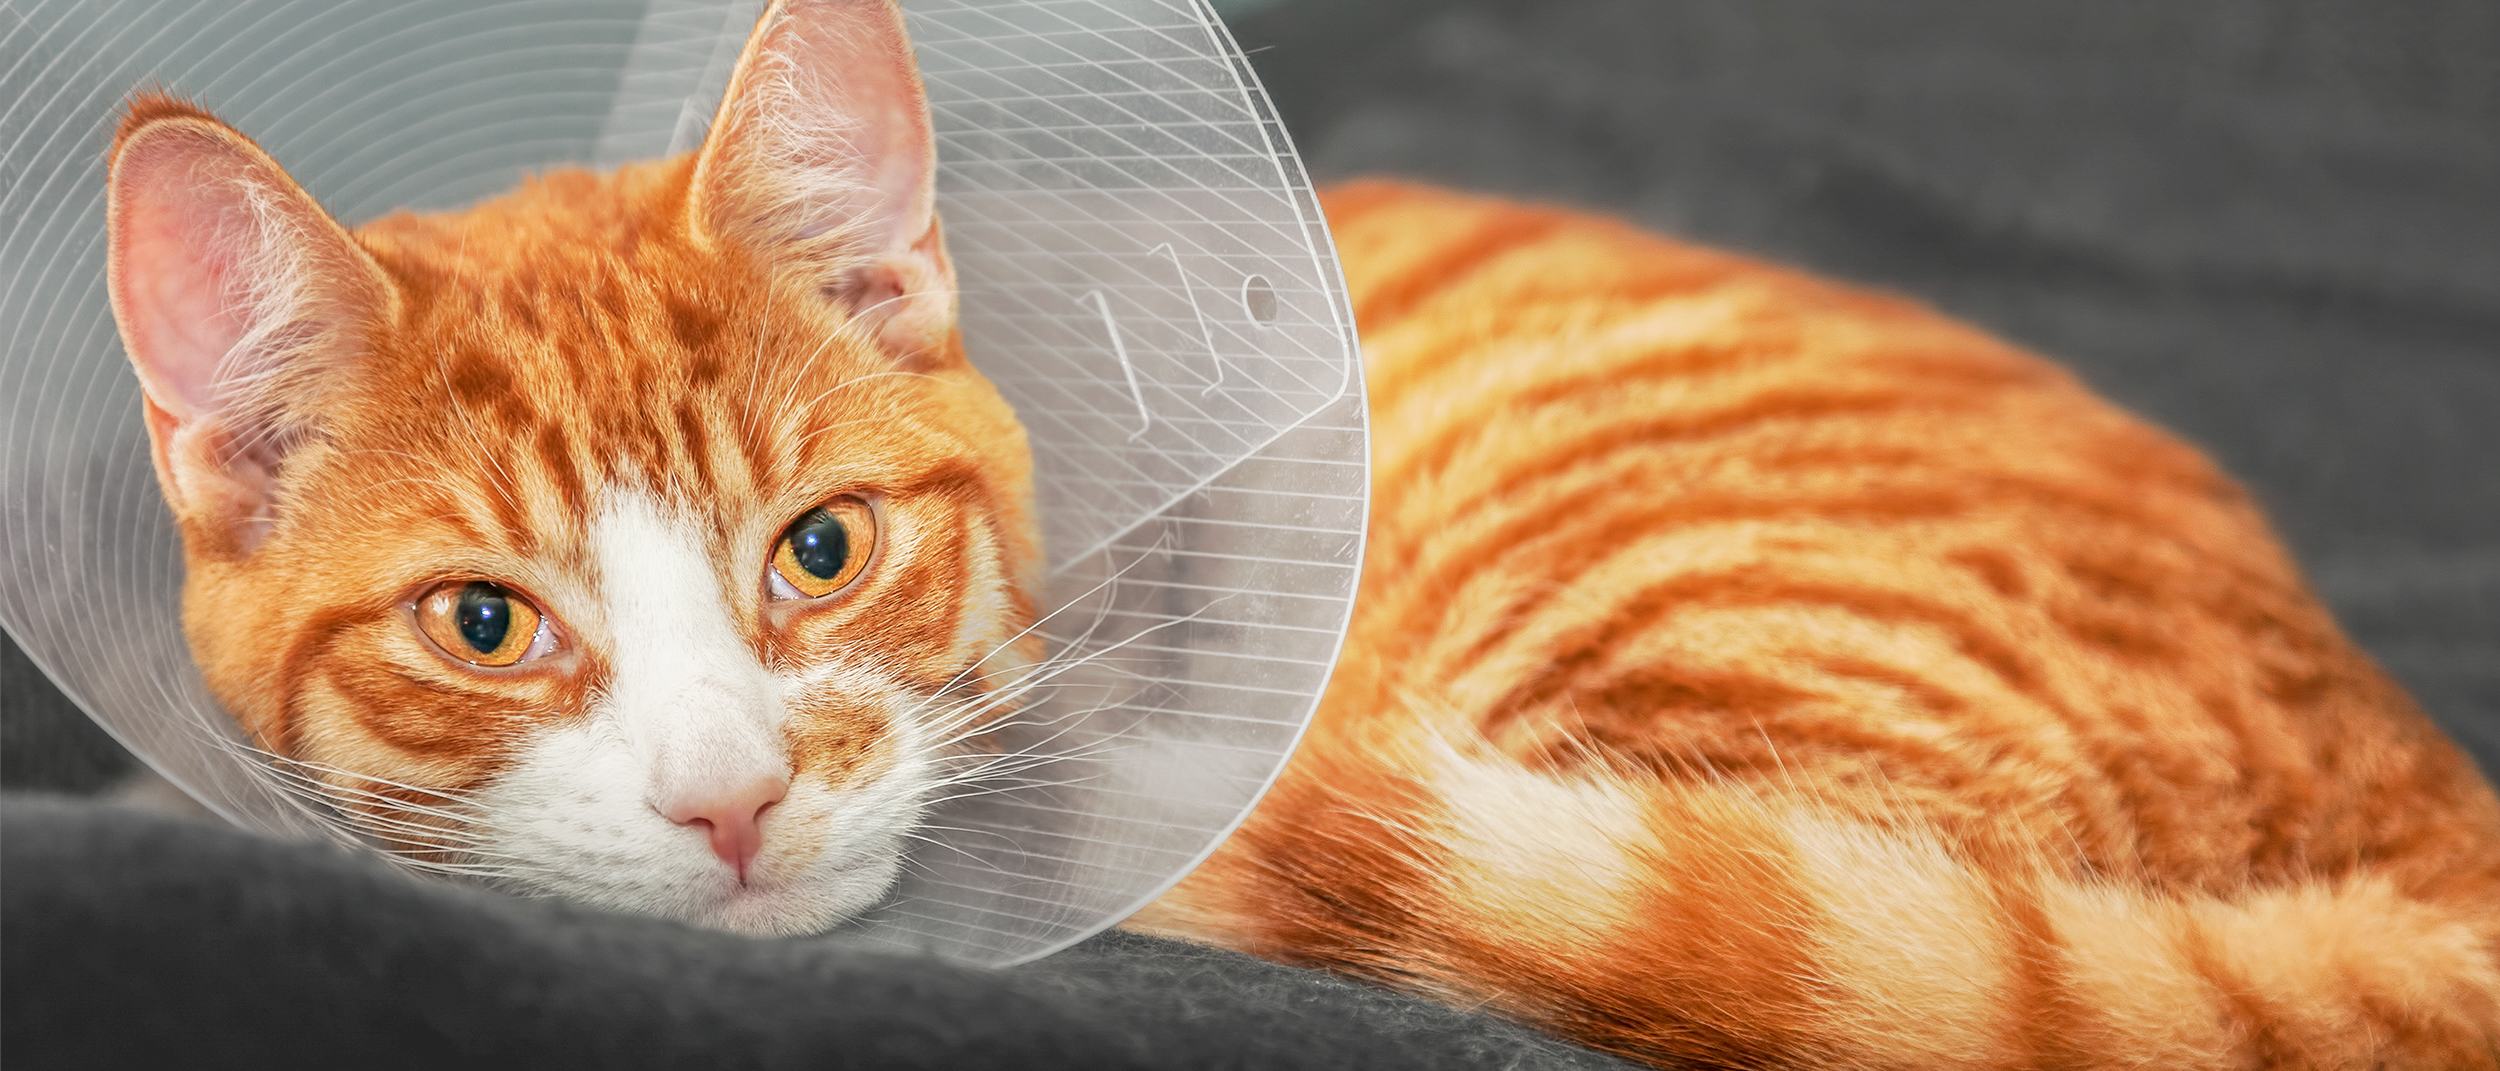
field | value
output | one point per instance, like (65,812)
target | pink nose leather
(732,818)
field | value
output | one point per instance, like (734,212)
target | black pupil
(484,616)
(820,544)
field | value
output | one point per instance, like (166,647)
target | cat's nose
(731,815)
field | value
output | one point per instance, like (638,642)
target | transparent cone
(1145,276)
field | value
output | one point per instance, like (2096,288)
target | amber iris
(479,622)
(826,548)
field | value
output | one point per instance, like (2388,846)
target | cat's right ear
(235,293)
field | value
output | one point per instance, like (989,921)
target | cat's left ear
(821,159)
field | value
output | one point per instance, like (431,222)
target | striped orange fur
(1747,671)
(614,399)
(1753,672)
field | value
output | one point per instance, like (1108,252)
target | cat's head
(641,538)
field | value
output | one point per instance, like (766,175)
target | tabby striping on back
(1747,672)
(1753,672)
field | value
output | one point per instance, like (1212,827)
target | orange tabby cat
(1752,672)
(645,538)
(1748,672)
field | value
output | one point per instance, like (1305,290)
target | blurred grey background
(2271,225)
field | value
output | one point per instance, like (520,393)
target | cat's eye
(824,550)
(483,624)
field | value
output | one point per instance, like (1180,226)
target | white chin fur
(687,703)
(572,819)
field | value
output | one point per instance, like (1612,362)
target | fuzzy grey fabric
(2272,225)
(142,940)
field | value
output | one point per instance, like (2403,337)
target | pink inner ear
(826,116)
(883,87)
(235,292)
(180,213)
(822,158)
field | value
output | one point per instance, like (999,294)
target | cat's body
(1746,671)
(1752,671)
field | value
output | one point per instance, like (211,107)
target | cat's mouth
(786,905)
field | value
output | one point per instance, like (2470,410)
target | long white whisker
(1050,671)
(1107,582)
